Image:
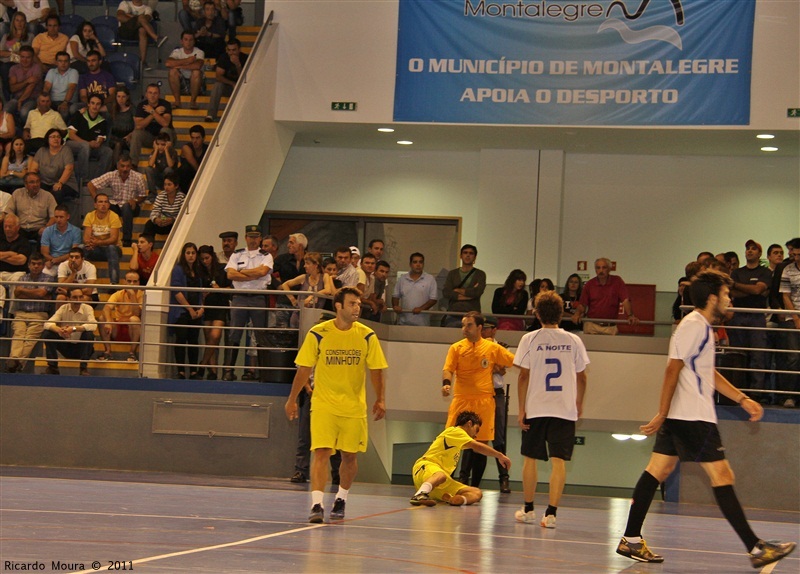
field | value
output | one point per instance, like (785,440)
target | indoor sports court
(161,523)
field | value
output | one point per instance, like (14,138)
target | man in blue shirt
(58,239)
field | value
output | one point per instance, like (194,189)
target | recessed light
(386,130)
(765,136)
(405,142)
(769,148)
(620,436)
(638,436)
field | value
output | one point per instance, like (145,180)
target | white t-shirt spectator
(133,10)
(180,54)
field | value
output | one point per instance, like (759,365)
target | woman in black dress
(216,303)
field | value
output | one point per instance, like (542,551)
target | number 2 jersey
(554,357)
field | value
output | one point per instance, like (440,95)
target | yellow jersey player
(340,351)
(432,471)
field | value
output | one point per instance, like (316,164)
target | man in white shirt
(186,70)
(134,18)
(686,424)
(552,383)
(415,291)
(77,270)
(251,269)
(347,274)
(70,332)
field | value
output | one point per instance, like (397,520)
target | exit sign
(344,106)
(793,113)
(580,440)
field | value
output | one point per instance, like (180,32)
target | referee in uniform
(249,269)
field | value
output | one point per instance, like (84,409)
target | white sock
(633,539)
(316,497)
(342,494)
(426,488)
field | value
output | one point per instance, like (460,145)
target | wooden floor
(169,523)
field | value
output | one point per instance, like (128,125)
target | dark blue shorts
(690,441)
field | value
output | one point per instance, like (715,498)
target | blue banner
(574,62)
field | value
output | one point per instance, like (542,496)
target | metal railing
(277,336)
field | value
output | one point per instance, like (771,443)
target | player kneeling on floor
(432,471)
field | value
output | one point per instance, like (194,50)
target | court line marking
(241,542)
(132,515)
(351,522)
(214,547)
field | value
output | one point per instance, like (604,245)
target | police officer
(230,239)
(248,269)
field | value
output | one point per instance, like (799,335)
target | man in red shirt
(603,295)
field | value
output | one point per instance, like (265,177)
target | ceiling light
(765,136)
(638,436)
(405,142)
(769,148)
(386,130)
(619,436)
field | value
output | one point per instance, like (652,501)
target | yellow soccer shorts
(347,434)
(424,469)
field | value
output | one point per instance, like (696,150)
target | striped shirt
(35,306)
(163,208)
(123,191)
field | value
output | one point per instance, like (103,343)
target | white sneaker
(526,517)
(789,404)
(548,521)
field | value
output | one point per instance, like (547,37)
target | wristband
(446,382)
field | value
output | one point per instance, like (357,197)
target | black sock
(729,505)
(643,495)
(529,507)
(466,466)
(478,467)
(551,510)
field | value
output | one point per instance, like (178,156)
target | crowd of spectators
(231,304)
(64,116)
(750,333)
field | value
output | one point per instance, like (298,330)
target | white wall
(653,214)
(340,50)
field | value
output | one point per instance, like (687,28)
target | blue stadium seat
(125,73)
(73,20)
(76,3)
(131,59)
(107,37)
(107,21)
(68,30)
